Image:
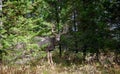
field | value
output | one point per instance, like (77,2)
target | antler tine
(65,29)
(53,32)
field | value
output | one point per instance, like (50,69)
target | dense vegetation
(94,31)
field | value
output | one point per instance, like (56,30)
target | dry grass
(47,69)
(56,69)
(62,66)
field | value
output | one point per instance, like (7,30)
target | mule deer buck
(52,42)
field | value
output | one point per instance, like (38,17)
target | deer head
(57,36)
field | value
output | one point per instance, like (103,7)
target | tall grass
(68,64)
(45,69)
(57,69)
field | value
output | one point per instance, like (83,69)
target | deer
(52,42)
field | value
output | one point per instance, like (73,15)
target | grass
(68,64)
(57,69)
(45,69)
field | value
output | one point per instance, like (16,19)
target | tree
(22,21)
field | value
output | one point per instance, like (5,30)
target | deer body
(51,42)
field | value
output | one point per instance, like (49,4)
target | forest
(59,36)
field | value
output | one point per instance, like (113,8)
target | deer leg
(48,57)
(51,60)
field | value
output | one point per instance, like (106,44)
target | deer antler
(65,29)
(53,31)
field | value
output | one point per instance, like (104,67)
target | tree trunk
(84,53)
(97,54)
(60,50)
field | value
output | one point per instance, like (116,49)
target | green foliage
(22,21)
(93,25)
